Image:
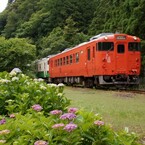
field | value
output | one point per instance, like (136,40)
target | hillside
(54,25)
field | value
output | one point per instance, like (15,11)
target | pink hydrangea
(2,141)
(41,142)
(12,116)
(72,110)
(37,107)
(68,116)
(6,131)
(3,121)
(56,112)
(58,125)
(98,122)
(70,127)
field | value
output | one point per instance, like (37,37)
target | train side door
(90,60)
(121,58)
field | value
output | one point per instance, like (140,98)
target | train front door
(121,58)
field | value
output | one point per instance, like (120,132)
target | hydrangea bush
(18,93)
(34,113)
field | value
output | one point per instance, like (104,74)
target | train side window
(70,59)
(89,54)
(73,58)
(120,48)
(134,46)
(67,61)
(105,46)
(63,60)
(55,62)
(77,57)
(93,52)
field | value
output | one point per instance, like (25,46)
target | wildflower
(41,142)
(56,112)
(4,132)
(99,123)
(60,85)
(3,121)
(2,141)
(37,107)
(70,127)
(58,125)
(72,110)
(15,79)
(68,116)
(12,115)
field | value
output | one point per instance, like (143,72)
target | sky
(3,4)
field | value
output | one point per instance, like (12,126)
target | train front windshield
(134,46)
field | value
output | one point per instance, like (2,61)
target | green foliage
(15,52)
(19,92)
(33,126)
(36,112)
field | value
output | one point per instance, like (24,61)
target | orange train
(107,59)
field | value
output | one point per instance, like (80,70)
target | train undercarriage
(119,80)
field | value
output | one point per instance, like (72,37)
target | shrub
(18,93)
(35,113)
(84,128)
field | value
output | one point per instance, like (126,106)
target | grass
(120,109)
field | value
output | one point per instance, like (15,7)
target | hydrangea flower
(4,81)
(60,85)
(98,122)
(3,121)
(15,79)
(37,107)
(68,116)
(12,116)
(58,125)
(72,110)
(43,87)
(2,141)
(56,112)
(6,131)
(70,127)
(41,142)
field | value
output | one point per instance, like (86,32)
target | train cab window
(120,48)
(70,59)
(134,46)
(77,57)
(105,46)
(89,54)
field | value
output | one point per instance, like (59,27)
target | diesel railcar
(107,59)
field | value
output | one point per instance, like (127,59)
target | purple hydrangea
(70,127)
(58,125)
(37,107)
(72,110)
(41,142)
(3,121)
(98,122)
(56,112)
(68,116)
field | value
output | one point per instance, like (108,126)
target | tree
(15,52)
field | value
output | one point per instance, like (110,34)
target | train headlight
(135,38)
(105,37)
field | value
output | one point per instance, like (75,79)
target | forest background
(31,30)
